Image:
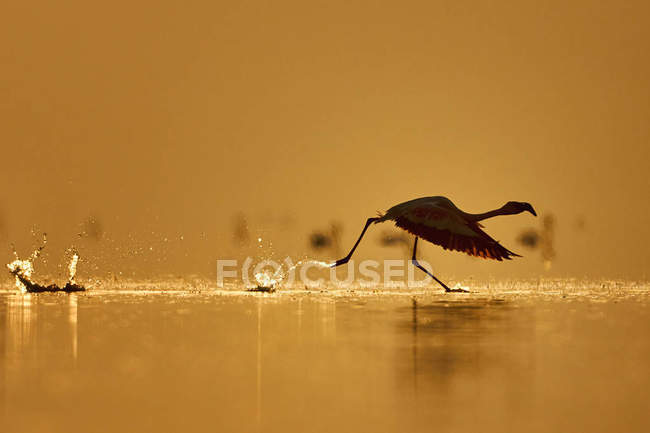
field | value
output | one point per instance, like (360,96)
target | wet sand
(565,357)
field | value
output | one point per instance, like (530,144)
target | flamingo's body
(439,221)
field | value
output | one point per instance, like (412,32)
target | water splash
(460,287)
(72,267)
(22,270)
(267,281)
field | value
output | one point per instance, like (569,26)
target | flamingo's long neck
(483,216)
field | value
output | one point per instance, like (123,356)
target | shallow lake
(564,357)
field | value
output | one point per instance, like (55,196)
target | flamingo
(439,221)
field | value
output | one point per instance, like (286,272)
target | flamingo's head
(514,207)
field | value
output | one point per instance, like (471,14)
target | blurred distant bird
(542,239)
(439,221)
(396,238)
(548,236)
(320,240)
(240,230)
(389,239)
(529,238)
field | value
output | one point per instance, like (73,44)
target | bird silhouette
(439,221)
(330,239)
(542,239)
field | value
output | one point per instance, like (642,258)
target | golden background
(165,119)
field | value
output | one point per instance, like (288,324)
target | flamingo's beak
(530,209)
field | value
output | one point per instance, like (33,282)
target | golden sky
(164,119)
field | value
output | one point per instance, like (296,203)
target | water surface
(572,357)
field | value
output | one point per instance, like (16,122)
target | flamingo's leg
(346,259)
(414,260)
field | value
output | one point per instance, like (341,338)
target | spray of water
(267,280)
(72,267)
(22,270)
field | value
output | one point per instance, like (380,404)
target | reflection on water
(24,330)
(18,326)
(72,318)
(259,363)
(468,353)
(322,362)
(450,336)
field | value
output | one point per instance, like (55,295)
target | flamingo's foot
(263,289)
(339,262)
(456,290)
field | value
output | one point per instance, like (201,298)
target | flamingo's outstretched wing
(444,227)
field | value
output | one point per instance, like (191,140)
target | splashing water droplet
(21,268)
(265,279)
(72,268)
(268,279)
(459,286)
